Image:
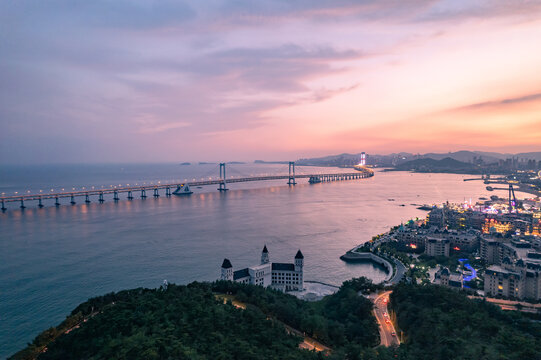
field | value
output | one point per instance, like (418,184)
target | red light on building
(413,246)
(456,248)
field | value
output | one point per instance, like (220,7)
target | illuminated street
(386,328)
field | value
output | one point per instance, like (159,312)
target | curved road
(386,328)
(399,274)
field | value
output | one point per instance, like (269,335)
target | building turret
(264,255)
(299,264)
(227,270)
(299,261)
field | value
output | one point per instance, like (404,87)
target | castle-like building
(281,276)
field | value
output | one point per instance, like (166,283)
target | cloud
(152,129)
(277,68)
(181,73)
(499,104)
(127,14)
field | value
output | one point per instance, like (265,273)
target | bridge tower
(363,159)
(222,178)
(291,180)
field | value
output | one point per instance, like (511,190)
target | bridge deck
(124,189)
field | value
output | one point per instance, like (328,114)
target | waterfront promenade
(395,268)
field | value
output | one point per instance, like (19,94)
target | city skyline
(168,81)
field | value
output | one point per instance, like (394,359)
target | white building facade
(281,276)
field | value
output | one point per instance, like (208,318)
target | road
(511,304)
(307,343)
(386,328)
(399,274)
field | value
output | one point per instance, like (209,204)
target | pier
(170,188)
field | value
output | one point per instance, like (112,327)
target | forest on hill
(192,322)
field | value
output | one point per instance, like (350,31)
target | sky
(158,81)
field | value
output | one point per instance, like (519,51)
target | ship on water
(183,189)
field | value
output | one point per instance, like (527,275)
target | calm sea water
(52,259)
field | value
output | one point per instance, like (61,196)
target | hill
(395,159)
(467,156)
(192,322)
(431,165)
(442,324)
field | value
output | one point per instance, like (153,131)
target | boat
(314,180)
(183,189)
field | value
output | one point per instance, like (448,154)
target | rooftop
(283,267)
(239,274)
(226,264)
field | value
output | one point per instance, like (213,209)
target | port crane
(513,204)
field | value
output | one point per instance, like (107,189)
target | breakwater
(368,256)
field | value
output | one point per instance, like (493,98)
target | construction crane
(513,203)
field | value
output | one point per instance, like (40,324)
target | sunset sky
(154,81)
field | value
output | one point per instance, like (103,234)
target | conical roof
(265,249)
(226,264)
(299,255)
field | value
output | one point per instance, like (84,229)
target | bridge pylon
(223,185)
(291,180)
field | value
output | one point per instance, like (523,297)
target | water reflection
(56,257)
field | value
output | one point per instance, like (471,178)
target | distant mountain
(487,157)
(331,160)
(466,156)
(530,155)
(430,165)
(395,159)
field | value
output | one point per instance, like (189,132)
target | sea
(53,258)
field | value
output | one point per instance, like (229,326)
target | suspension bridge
(178,188)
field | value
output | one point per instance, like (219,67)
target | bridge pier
(291,180)
(222,182)
(223,185)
